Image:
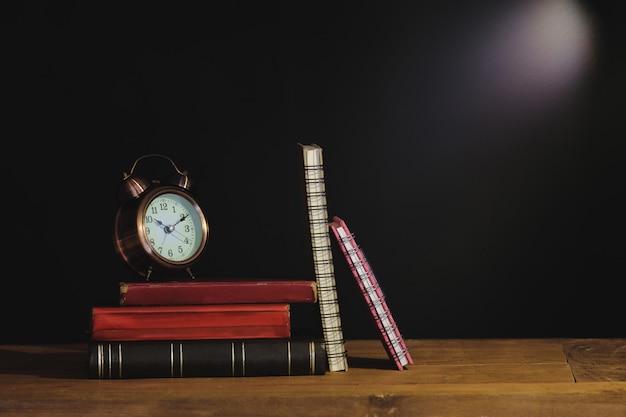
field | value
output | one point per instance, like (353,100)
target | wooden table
(466,377)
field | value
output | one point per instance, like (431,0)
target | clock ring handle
(133,186)
(151,155)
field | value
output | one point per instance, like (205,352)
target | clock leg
(190,273)
(148,273)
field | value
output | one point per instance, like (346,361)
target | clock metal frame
(129,235)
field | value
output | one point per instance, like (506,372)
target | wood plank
(451,377)
(597,359)
(209,397)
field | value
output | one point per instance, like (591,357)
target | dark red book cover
(218,292)
(186,322)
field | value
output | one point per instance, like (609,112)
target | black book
(206,358)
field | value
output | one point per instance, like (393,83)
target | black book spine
(206,358)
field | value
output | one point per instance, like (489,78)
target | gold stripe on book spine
(232,359)
(180,357)
(312,358)
(243,359)
(171,360)
(119,353)
(99,361)
(289,358)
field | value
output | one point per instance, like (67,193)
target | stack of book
(204,328)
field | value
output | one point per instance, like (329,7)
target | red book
(218,292)
(199,322)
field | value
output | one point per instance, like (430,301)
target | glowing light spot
(533,55)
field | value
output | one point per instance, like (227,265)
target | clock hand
(164,227)
(172,229)
(181,219)
(177,236)
(169,229)
(160,224)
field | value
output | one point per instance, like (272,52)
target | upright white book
(315,188)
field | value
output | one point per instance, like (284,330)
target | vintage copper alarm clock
(159,227)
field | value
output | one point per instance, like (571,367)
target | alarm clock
(159,227)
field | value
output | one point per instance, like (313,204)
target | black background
(489,202)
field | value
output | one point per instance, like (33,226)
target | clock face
(174,227)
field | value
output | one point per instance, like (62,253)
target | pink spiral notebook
(390,335)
